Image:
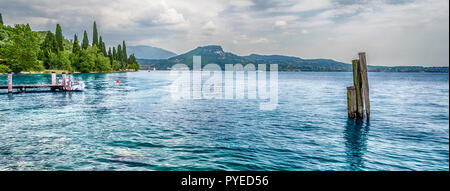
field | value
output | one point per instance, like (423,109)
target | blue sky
(392,32)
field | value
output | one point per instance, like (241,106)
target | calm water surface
(136,125)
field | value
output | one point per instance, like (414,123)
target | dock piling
(351,101)
(357,85)
(69,82)
(365,82)
(53,78)
(9,82)
(63,83)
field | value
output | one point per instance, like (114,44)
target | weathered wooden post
(357,84)
(69,82)
(351,101)
(9,82)
(365,82)
(53,78)
(63,83)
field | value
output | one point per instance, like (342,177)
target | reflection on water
(355,133)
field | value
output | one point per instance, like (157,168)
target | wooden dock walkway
(28,86)
(66,85)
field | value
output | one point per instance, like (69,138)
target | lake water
(136,125)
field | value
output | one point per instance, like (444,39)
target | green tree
(100,41)
(46,48)
(55,47)
(75,60)
(59,38)
(48,42)
(114,54)
(76,45)
(95,35)
(53,61)
(5,32)
(85,42)
(4,68)
(21,54)
(87,59)
(119,56)
(116,65)
(132,63)
(1,19)
(76,51)
(60,61)
(110,56)
(102,63)
(104,49)
(131,59)
(124,55)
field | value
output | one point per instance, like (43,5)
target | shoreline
(61,71)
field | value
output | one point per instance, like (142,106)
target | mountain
(149,52)
(215,54)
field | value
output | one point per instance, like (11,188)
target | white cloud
(209,26)
(280,23)
(260,41)
(309,5)
(170,16)
(241,3)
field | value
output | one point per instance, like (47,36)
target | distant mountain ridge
(215,54)
(149,52)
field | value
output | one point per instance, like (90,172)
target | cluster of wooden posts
(65,85)
(358,95)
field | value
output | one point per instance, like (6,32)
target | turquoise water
(136,125)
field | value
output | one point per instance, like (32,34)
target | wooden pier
(64,86)
(358,95)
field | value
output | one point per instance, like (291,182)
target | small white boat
(78,86)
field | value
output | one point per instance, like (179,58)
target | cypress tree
(114,54)
(59,37)
(124,54)
(49,44)
(110,56)
(100,43)
(48,41)
(54,44)
(95,35)
(76,46)
(85,42)
(104,49)
(1,19)
(119,55)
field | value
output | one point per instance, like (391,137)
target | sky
(391,32)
